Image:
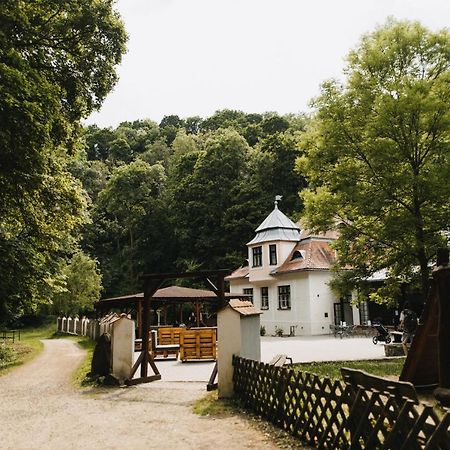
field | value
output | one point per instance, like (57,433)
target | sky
(194,57)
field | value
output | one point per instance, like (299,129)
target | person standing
(408,324)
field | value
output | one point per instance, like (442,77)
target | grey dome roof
(276,227)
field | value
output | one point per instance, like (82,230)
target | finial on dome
(277,199)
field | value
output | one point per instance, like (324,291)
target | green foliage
(56,65)
(219,181)
(377,155)
(7,355)
(81,286)
(29,346)
(130,234)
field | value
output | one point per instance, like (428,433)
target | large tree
(57,63)
(378,155)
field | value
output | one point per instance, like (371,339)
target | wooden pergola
(154,295)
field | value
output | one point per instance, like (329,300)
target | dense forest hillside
(184,194)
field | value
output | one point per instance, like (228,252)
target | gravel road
(40,409)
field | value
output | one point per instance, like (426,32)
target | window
(272,254)
(364,312)
(264,298)
(284,297)
(257,256)
(249,291)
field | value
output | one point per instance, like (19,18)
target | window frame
(284,297)
(257,260)
(249,292)
(264,298)
(273,260)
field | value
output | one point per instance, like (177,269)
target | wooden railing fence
(334,415)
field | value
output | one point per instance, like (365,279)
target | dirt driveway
(39,409)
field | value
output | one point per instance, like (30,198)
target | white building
(288,276)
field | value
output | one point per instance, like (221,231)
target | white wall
(322,300)
(250,337)
(263,273)
(311,299)
(122,348)
(229,343)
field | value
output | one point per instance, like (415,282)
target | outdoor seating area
(198,344)
(343,331)
(190,344)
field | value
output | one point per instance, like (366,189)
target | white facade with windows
(288,276)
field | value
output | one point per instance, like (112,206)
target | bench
(401,390)
(198,344)
(280,360)
(167,341)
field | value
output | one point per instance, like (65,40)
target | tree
(378,156)
(56,65)
(130,212)
(82,284)
(204,185)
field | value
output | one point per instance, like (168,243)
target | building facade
(288,275)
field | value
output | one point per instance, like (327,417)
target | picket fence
(93,328)
(330,414)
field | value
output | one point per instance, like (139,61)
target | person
(408,323)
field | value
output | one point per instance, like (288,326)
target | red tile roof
(314,254)
(242,272)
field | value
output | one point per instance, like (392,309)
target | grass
(211,405)
(80,376)
(30,346)
(332,369)
(27,348)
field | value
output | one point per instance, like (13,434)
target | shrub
(279,331)
(262,330)
(7,355)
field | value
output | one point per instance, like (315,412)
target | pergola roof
(172,294)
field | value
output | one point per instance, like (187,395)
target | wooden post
(139,317)
(144,336)
(221,290)
(442,276)
(197,313)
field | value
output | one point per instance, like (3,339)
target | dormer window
(297,255)
(257,256)
(272,254)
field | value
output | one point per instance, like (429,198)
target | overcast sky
(193,57)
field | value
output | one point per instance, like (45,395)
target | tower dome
(276,227)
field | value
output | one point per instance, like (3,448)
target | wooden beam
(150,287)
(148,379)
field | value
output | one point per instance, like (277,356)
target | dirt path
(39,409)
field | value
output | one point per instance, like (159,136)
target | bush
(7,355)
(279,331)
(262,330)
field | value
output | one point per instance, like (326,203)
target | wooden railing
(330,414)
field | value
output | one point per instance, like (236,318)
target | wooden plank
(141,380)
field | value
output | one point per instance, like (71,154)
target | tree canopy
(56,65)
(377,155)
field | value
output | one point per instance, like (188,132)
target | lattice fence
(334,415)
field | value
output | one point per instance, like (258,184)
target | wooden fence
(334,415)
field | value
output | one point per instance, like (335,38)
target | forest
(85,211)
(184,194)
